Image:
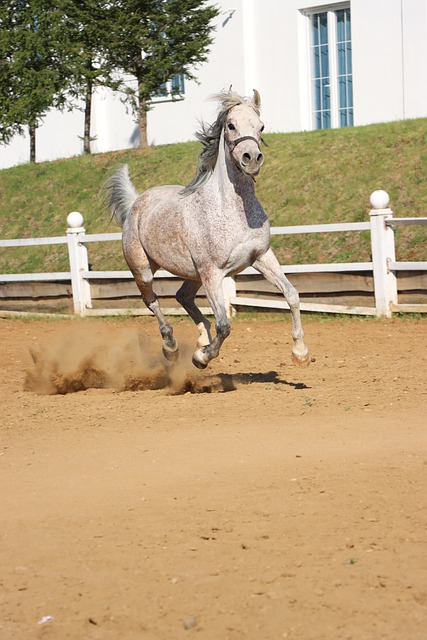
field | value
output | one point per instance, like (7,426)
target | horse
(213,228)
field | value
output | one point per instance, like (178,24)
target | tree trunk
(88,106)
(142,120)
(32,127)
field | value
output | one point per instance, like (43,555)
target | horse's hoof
(303,362)
(198,364)
(198,360)
(172,356)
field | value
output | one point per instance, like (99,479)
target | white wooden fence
(383,266)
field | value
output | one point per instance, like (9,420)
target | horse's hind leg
(269,267)
(185,296)
(143,273)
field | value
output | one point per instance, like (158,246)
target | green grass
(253,316)
(308,178)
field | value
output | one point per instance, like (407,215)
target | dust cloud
(97,357)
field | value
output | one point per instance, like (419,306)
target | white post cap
(75,219)
(379,199)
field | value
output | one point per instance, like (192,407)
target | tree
(53,53)
(32,67)
(154,40)
(88,25)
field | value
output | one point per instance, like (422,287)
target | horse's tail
(119,194)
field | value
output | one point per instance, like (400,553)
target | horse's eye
(262,128)
(231,126)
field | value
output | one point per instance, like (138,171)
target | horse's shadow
(225,382)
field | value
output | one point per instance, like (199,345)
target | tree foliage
(88,23)
(154,40)
(54,53)
(32,65)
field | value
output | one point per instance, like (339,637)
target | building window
(172,89)
(177,85)
(331,68)
(345,74)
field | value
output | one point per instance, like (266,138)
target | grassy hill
(309,177)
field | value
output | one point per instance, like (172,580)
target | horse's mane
(210,134)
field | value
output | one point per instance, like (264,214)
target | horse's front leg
(215,296)
(269,267)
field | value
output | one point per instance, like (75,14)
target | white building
(315,64)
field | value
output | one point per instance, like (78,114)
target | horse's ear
(256,99)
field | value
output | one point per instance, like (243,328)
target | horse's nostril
(260,158)
(246,157)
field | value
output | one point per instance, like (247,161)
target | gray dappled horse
(213,228)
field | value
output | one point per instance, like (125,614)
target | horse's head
(242,135)
(239,125)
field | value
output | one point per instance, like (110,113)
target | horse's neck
(227,180)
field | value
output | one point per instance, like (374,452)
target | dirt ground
(253,500)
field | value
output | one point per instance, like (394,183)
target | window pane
(326,120)
(342,91)
(348,57)
(326,95)
(317,102)
(343,118)
(323,20)
(315,29)
(177,84)
(350,92)
(341,58)
(163,90)
(340,26)
(324,61)
(347,24)
(316,63)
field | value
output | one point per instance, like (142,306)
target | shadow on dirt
(225,382)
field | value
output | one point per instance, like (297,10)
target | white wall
(377,61)
(277,79)
(264,46)
(414,30)
(56,138)
(389,49)
(389,58)
(177,121)
(112,126)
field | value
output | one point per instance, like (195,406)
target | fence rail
(321,228)
(383,269)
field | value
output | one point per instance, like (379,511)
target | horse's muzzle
(249,157)
(252,160)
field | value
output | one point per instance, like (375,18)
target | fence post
(77,254)
(383,253)
(229,291)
